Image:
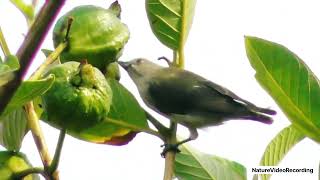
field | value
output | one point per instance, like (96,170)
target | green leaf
(27,91)
(124,108)
(26,9)
(46,52)
(289,81)
(171,20)
(13,129)
(7,68)
(279,147)
(191,164)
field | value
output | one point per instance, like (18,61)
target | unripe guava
(79,98)
(10,163)
(96,34)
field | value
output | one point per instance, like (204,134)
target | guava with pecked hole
(79,98)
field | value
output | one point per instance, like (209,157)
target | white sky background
(215,49)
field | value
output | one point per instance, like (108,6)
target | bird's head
(140,68)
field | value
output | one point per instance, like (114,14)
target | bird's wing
(223,91)
(170,96)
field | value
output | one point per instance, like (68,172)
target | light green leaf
(13,127)
(279,147)
(191,164)
(171,20)
(26,9)
(289,81)
(27,91)
(124,108)
(7,69)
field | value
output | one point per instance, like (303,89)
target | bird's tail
(259,117)
(259,114)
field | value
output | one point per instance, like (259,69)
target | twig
(55,162)
(22,174)
(49,60)
(170,155)
(3,44)
(37,134)
(30,46)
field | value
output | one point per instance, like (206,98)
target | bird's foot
(170,147)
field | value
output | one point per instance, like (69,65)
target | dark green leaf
(12,129)
(124,108)
(171,20)
(191,164)
(289,81)
(27,91)
(279,147)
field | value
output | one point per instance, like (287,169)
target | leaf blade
(170,20)
(191,164)
(27,91)
(13,129)
(284,76)
(279,146)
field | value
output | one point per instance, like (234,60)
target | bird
(189,99)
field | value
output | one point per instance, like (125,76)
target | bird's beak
(125,65)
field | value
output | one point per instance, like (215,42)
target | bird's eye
(139,61)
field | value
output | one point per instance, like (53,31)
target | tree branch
(30,46)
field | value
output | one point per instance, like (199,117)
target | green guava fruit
(11,163)
(96,34)
(113,71)
(79,98)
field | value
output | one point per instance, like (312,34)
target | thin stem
(22,174)
(181,58)
(50,59)
(133,127)
(3,44)
(55,162)
(171,137)
(30,46)
(33,123)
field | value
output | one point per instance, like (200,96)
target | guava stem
(34,126)
(49,60)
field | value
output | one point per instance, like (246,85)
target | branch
(33,123)
(22,174)
(55,162)
(30,46)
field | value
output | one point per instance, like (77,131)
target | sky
(215,50)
